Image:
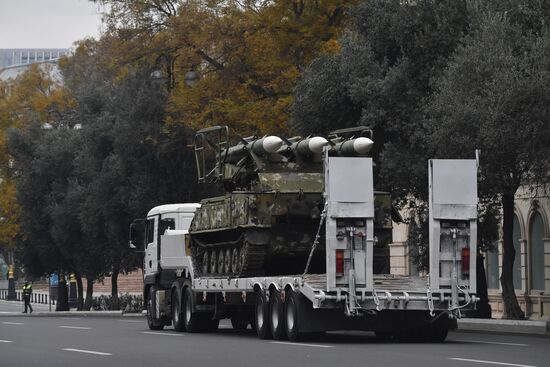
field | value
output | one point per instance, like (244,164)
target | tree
(390,56)
(493,96)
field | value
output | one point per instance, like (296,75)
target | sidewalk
(531,327)
(15,308)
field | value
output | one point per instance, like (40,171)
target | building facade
(531,265)
(23,56)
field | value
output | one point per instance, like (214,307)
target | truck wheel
(291,316)
(191,319)
(151,322)
(177,316)
(277,322)
(239,324)
(262,316)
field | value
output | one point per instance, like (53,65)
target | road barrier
(36,297)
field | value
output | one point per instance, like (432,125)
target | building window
(492,269)
(536,233)
(517,259)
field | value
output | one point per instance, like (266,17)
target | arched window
(517,258)
(493,272)
(536,233)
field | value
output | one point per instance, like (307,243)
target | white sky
(47,23)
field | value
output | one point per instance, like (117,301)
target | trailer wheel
(384,336)
(277,312)
(291,316)
(261,314)
(177,316)
(437,334)
(151,322)
(239,324)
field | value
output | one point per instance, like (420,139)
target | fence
(43,298)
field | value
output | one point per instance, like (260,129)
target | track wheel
(213,261)
(177,315)
(277,312)
(239,324)
(153,323)
(206,262)
(291,316)
(261,316)
(221,261)
(227,262)
(236,261)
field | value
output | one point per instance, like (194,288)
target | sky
(47,23)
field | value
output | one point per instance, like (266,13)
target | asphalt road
(126,341)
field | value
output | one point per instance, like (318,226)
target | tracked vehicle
(270,216)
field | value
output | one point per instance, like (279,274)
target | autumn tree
(248,54)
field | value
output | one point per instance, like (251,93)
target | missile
(354,147)
(313,145)
(267,145)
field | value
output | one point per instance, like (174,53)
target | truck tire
(177,314)
(196,322)
(291,316)
(261,316)
(151,321)
(191,319)
(239,324)
(276,319)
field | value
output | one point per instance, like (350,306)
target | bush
(129,303)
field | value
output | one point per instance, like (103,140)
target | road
(126,341)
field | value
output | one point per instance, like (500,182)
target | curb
(532,327)
(106,314)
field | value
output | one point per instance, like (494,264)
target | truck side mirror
(137,235)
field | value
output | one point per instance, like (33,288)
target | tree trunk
(115,304)
(89,292)
(511,305)
(80,303)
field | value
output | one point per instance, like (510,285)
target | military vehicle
(267,221)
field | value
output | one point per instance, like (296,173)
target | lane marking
(487,342)
(72,318)
(166,334)
(87,351)
(304,344)
(13,323)
(491,362)
(5,341)
(140,321)
(8,312)
(75,327)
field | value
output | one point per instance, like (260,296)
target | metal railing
(36,297)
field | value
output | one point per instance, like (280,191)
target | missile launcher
(266,222)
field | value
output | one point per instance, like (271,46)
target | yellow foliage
(249,54)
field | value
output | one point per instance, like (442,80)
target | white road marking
(75,327)
(304,345)
(487,342)
(491,362)
(166,334)
(5,341)
(72,318)
(87,351)
(140,321)
(13,323)
(8,312)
